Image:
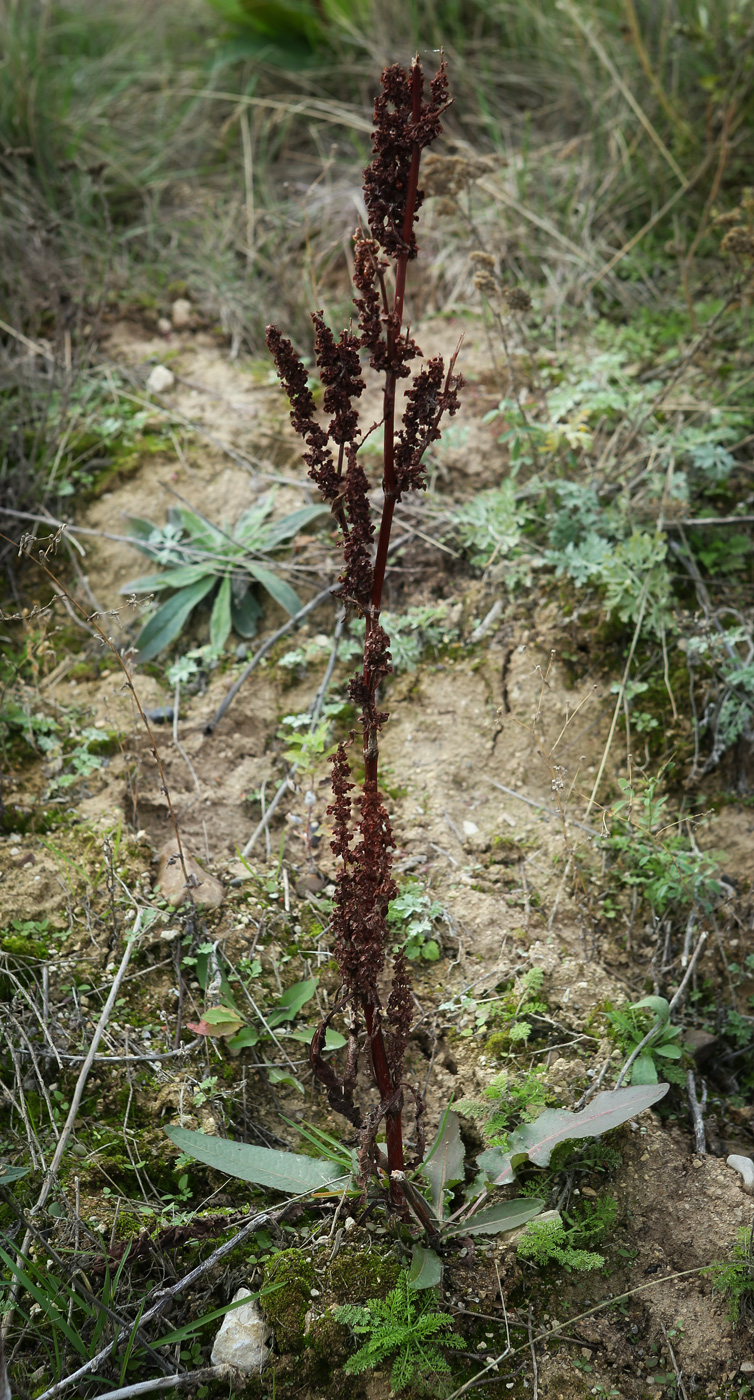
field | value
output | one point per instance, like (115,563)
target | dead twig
(697,1113)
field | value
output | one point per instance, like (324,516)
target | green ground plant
(631,1024)
(657,855)
(411,917)
(403,1327)
(548,1242)
(734,1278)
(203,562)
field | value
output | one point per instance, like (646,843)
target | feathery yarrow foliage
(406,121)
(405,1327)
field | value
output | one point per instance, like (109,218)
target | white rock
(160,379)
(745,1168)
(180,314)
(164,326)
(470,829)
(746,1366)
(241,1341)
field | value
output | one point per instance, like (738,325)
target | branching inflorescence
(405,122)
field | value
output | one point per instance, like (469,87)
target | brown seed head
(517,299)
(739,241)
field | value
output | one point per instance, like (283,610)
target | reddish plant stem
(393,1126)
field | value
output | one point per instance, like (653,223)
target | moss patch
(287,1307)
(357,1274)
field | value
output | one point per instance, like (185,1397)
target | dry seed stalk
(405,122)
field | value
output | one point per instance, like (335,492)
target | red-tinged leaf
(218,1022)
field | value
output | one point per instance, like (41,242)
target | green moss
(357,1274)
(287,1307)
(329,1340)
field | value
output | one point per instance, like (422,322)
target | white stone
(745,1168)
(747,1366)
(470,829)
(180,314)
(242,1339)
(164,326)
(160,379)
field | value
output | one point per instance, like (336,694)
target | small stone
(164,326)
(349,1223)
(747,1366)
(700,1044)
(313,1292)
(311,883)
(208,892)
(745,1168)
(160,379)
(242,651)
(242,1339)
(170,933)
(180,313)
(470,829)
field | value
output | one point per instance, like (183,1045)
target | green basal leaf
(289,1172)
(245,614)
(659,1005)
(426,1268)
(537,1141)
(290,525)
(179,577)
(507,1215)
(169,620)
(244,1039)
(276,1075)
(644,1070)
(249,527)
(444,1166)
(219,623)
(203,534)
(292,1001)
(333,1039)
(277,588)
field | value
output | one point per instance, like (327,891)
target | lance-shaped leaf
(291,1002)
(220,623)
(506,1215)
(168,621)
(276,587)
(282,1171)
(443,1165)
(281,530)
(537,1141)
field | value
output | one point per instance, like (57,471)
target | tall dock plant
(406,121)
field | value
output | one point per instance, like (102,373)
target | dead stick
(700,1144)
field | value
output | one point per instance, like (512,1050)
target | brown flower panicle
(403,125)
(405,122)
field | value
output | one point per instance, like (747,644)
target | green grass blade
(46,1304)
